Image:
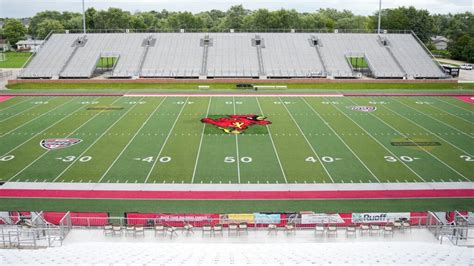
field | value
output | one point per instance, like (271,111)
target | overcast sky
(27,8)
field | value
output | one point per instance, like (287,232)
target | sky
(28,8)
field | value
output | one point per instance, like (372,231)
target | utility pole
(84,18)
(380,16)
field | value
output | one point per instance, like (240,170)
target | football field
(246,139)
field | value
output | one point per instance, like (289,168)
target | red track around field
(236,195)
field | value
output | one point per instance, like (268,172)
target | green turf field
(309,140)
(15,59)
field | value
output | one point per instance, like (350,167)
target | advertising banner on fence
(321,218)
(172,219)
(236,218)
(263,218)
(379,217)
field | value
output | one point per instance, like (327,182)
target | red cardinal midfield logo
(54,144)
(236,124)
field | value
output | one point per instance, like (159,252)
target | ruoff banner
(379,217)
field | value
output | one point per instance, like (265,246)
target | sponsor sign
(379,217)
(319,218)
(361,108)
(54,144)
(237,218)
(262,218)
(236,124)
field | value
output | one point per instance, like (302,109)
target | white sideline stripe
(273,143)
(200,142)
(41,156)
(166,140)
(447,102)
(27,109)
(401,161)
(36,134)
(95,141)
(232,95)
(307,141)
(405,136)
(237,146)
(29,121)
(131,140)
(438,136)
(238,187)
(18,103)
(339,137)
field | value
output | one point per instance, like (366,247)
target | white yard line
(36,134)
(339,137)
(131,140)
(200,142)
(41,156)
(307,141)
(432,117)
(273,144)
(27,109)
(438,99)
(29,121)
(95,141)
(434,134)
(446,112)
(166,140)
(406,137)
(237,145)
(18,103)
(376,140)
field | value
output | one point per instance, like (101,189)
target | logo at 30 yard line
(54,144)
(236,124)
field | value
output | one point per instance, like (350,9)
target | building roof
(437,39)
(30,42)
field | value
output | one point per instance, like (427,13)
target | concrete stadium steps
(182,55)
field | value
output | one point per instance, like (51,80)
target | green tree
(462,48)
(40,17)
(48,25)
(184,20)
(13,31)
(234,18)
(406,18)
(113,18)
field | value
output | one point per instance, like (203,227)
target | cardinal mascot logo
(236,124)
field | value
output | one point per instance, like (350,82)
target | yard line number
(326,159)
(164,159)
(231,159)
(68,159)
(404,158)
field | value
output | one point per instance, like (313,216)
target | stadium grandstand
(234,55)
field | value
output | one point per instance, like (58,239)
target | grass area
(15,59)
(106,62)
(358,62)
(232,86)
(119,207)
(313,140)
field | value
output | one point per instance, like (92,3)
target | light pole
(83,17)
(380,16)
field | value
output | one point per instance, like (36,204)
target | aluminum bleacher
(413,58)
(174,55)
(233,55)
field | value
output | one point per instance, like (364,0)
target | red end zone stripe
(228,195)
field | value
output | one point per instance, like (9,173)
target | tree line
(459,28)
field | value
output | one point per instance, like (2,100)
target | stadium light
(380,16)
(83,17)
